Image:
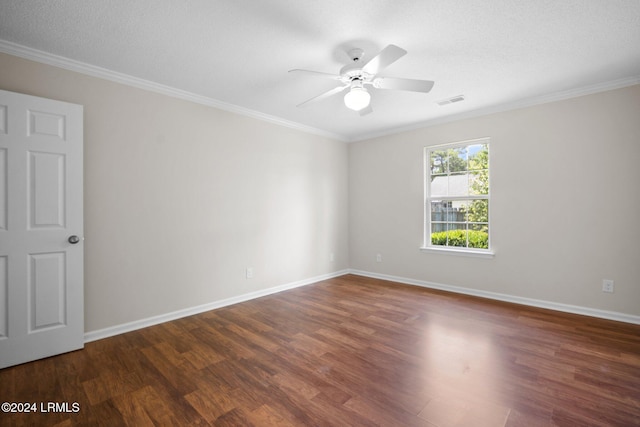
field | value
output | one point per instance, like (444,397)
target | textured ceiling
(237,53)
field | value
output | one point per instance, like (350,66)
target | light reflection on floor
(463,357)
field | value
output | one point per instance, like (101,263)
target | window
(457,197)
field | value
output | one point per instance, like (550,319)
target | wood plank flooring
(349,351)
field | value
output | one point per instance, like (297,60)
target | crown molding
(515,105)
(125,79)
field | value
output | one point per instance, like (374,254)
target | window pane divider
(454,198)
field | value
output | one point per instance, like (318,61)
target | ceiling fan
(356,76)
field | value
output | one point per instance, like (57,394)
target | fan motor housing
(352,72)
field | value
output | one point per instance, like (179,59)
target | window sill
(459,252)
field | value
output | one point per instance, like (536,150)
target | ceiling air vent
(451,100)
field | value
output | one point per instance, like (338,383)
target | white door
(41,269)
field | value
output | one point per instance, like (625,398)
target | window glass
(457,195)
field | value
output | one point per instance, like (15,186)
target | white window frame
(427,246)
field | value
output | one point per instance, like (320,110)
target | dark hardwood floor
(346,351)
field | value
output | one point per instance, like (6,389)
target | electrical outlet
(379,257)
(607,286)
(249,272)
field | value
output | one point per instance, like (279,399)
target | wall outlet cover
(607,286)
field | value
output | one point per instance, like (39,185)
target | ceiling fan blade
(316,73)
(324,95)
(366,110)
(386,57)
(403,84)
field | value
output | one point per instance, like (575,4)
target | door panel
(41,273)
(46,124)
(46,190)
(4,300)
(47,291)
(3,189)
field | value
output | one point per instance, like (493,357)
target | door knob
(73,239)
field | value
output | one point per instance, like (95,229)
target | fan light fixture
(357,98)
(355,76)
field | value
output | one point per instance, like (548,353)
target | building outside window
(457,196)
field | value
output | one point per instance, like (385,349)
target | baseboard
(585,311)
(155,320)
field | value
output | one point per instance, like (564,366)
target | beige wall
(180,198)
(564,209)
